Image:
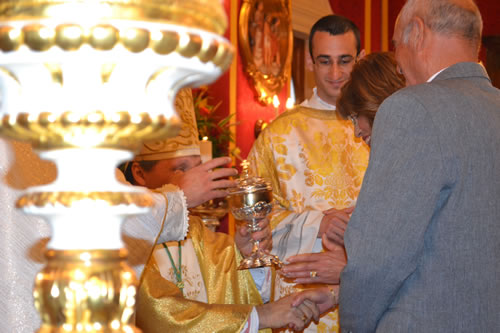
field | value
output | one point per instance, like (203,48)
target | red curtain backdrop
(353,10)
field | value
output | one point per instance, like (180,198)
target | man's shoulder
(303,112)
(291,113)
(284,119)
(446,89)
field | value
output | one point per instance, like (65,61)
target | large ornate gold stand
(86,291)
(86,82)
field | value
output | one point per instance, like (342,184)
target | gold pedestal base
(261,260)
(86,291)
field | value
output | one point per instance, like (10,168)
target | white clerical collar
(434,76)
(315,102)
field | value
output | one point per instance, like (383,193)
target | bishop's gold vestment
(230,294)
(314,163)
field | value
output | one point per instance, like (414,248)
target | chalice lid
(249,184)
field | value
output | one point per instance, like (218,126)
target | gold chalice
(249,203)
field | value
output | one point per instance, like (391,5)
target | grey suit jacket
(423,244)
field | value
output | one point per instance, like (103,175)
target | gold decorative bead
(10,38)
(46,118)
(189,45)
(95,118)
(69,36)
(164,42)
(69,118)
(39,37)
(135,40)
(208,51)
(103,37)
(223,56)
(116,130)
(120,118)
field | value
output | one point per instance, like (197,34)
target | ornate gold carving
(86,291)
(266,40)
(68,199)
(70,37)
(202,14)
(95,129)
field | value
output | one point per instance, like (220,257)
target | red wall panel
(354,10)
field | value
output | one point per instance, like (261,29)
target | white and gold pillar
(86,82)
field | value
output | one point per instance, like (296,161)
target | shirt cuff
(177,212)
(252,324)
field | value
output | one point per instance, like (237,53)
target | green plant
(212,125)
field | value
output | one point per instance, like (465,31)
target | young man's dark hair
(334,25)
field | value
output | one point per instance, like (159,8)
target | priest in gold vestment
(193,285)
(316,166)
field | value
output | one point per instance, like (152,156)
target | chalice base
(260,259)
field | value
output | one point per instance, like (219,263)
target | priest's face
(333,59)
(164,171)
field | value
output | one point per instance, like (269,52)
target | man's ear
(138,174)
(361,54)
(418,33)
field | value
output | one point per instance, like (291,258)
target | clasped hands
(296,311)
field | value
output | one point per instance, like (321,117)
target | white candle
(205,150)
(276,104)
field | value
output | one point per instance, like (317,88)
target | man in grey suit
(423,243)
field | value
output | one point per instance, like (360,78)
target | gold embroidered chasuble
(314,163)
(230,294)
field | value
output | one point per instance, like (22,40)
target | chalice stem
(255,248)
(254,227)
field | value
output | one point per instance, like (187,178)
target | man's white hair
(459,18)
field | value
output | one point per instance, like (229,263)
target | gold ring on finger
(313,274)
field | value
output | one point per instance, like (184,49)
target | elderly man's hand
(201,184)
(243,237)
(281,313)
(324,267)
(334,223)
